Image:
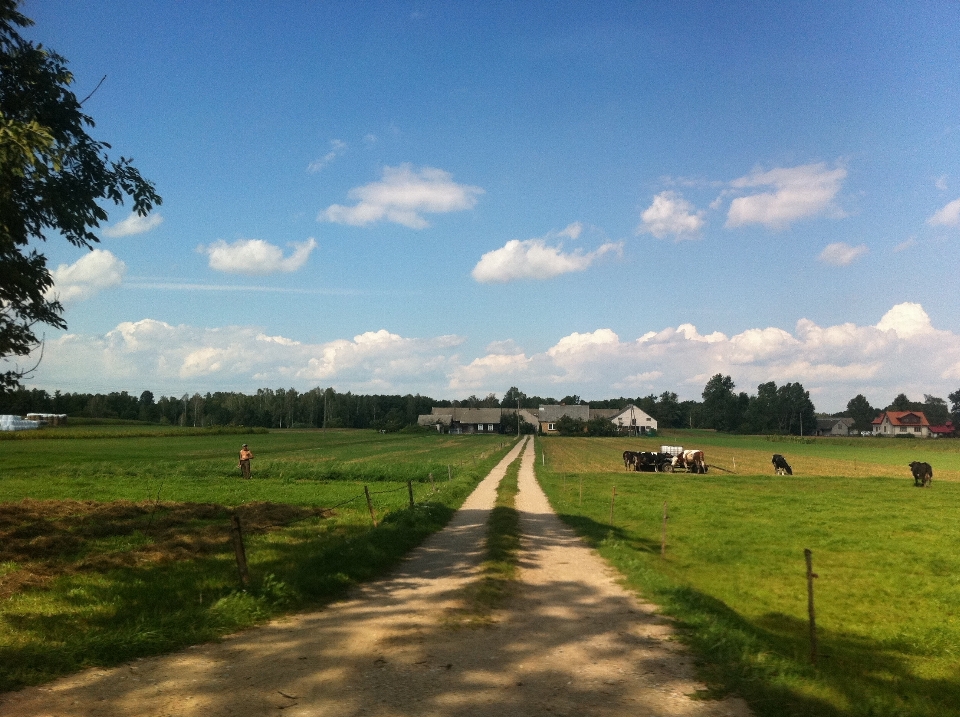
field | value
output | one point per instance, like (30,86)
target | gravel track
(571,642)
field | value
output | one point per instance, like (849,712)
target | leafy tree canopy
(53,177)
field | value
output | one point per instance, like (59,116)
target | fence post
(813,622)
(663,536)
(449,473)
(613,499)
(410,491)
(373,516)
(241,554)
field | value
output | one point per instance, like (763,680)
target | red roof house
(901,423)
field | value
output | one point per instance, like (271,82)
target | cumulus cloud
(948,216)
(134,224)
(256,257)
(403,196)
(842,254)
(536,259)
(796,193)
(671,215)
(337,148)
(87,276)
(903,352)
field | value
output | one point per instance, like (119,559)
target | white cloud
(255,256)
(797,193)
(536,259)
(903,352)
(402,197)
(948,216)
(941,182)
(904,245)
(670,214)
(841,254)
(87,276)
(907,319)
(337,148)
(134,224)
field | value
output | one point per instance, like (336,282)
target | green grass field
(888,592)
(114,548)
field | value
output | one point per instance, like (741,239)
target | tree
(720,403)
(862,413)
(935,409)
(901,403)
(53,178)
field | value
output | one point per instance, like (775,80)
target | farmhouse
(901,423)
(633,422)
(463,420)
(835,427)
(549,415)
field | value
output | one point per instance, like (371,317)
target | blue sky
(453,198)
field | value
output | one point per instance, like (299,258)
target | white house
(632,421)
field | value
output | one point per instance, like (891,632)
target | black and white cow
(922,474)
(780,465)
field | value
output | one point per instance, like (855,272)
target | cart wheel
(666,468)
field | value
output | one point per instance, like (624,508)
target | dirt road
(572,642)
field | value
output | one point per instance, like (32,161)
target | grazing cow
(630,460)
(922,474)
(780,465)
(693,461)
(647,462)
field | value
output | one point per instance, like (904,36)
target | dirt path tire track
(572,642)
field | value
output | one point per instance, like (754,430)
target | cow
(922,474)
(693,461)
(630,460)
(780,465)
(647,462)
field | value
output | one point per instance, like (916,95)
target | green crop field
(734,576)
(116,543)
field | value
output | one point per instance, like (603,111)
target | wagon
(670,452)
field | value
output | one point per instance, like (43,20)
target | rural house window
(550,426)
(903,429)
(479,426)
(489,426)
(916,429)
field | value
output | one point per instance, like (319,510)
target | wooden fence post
(241,554)
(663,536)
(813,622)
(373,516)
(410,491)
(449,473)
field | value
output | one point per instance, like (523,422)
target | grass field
(113,548)
(888,592)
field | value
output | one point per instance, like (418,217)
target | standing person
(245,455)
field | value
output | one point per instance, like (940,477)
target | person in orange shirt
(245,455)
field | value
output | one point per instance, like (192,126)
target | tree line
(785,409)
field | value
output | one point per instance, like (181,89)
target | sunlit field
(114,548)
(888,592)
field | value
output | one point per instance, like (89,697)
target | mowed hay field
(118,547)
(887,555)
